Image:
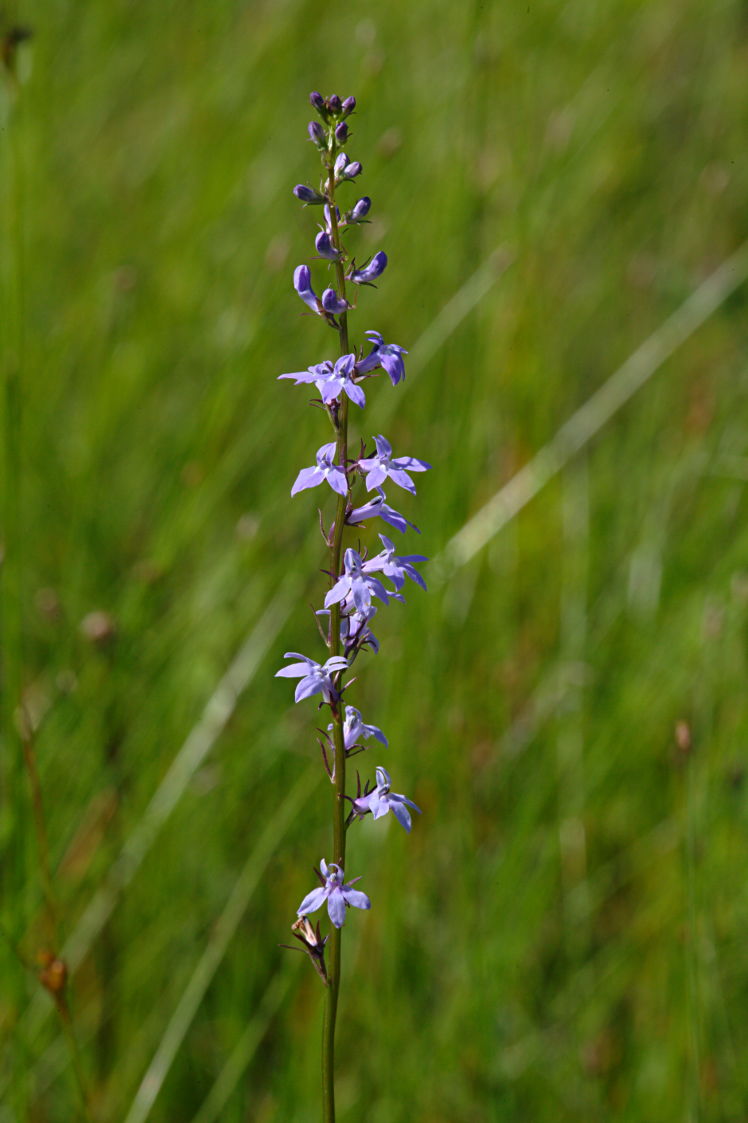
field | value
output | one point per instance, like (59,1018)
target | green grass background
(562,937)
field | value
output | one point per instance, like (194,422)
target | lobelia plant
(348,609)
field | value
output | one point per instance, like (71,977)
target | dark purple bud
(344,170)
(302,282)
(360,211)
(317,134)
(317,101)
(341,132)
(333,303)
(325,248)
(334,104)
(349,105)
(370,272)
(307,195)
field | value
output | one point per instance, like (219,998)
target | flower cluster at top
(358,577)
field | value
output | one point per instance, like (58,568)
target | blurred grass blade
(246,1046)
(591,417)
(201,739)
(222,933)
(457,308)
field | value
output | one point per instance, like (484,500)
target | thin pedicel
(355,578)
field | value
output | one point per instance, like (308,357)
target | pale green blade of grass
(222,933)
(458,308)
(245,1048)
(591,417)
(201,739)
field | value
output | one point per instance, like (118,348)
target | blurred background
(561,190)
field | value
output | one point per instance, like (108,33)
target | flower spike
(359,583)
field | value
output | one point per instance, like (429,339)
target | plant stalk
(334,965)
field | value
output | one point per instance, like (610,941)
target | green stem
(334,945)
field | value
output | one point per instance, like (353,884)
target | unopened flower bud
(317,101)
(317,134)
(360,211)
(307,194)
(333,303)
(349,105)
(344,169)
(325,248)
(370,272)
(341,132)
(334,104)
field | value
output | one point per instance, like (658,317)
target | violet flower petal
(313,901)
(356,898)
(336,907)
(307,477)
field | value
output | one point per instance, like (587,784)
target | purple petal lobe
(312,901)
(307,687)
(401,813)
(357,899)
(307,477)
(336,907)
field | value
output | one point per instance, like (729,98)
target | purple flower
(378,507)
(325,248)
(333,303)
(355,730)
(386,355)
(360,211)
(379,467)
(302,282)
(332,381)
(307,195)
(394,567)
(355,630)
(341,132)
(349,105)
(324,470)
(334,104)
(336,893)
(382,800)
(339,380)
(317,101)
(370,272)
(315,679)
(355,586)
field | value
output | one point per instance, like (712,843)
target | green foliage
(562,935)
